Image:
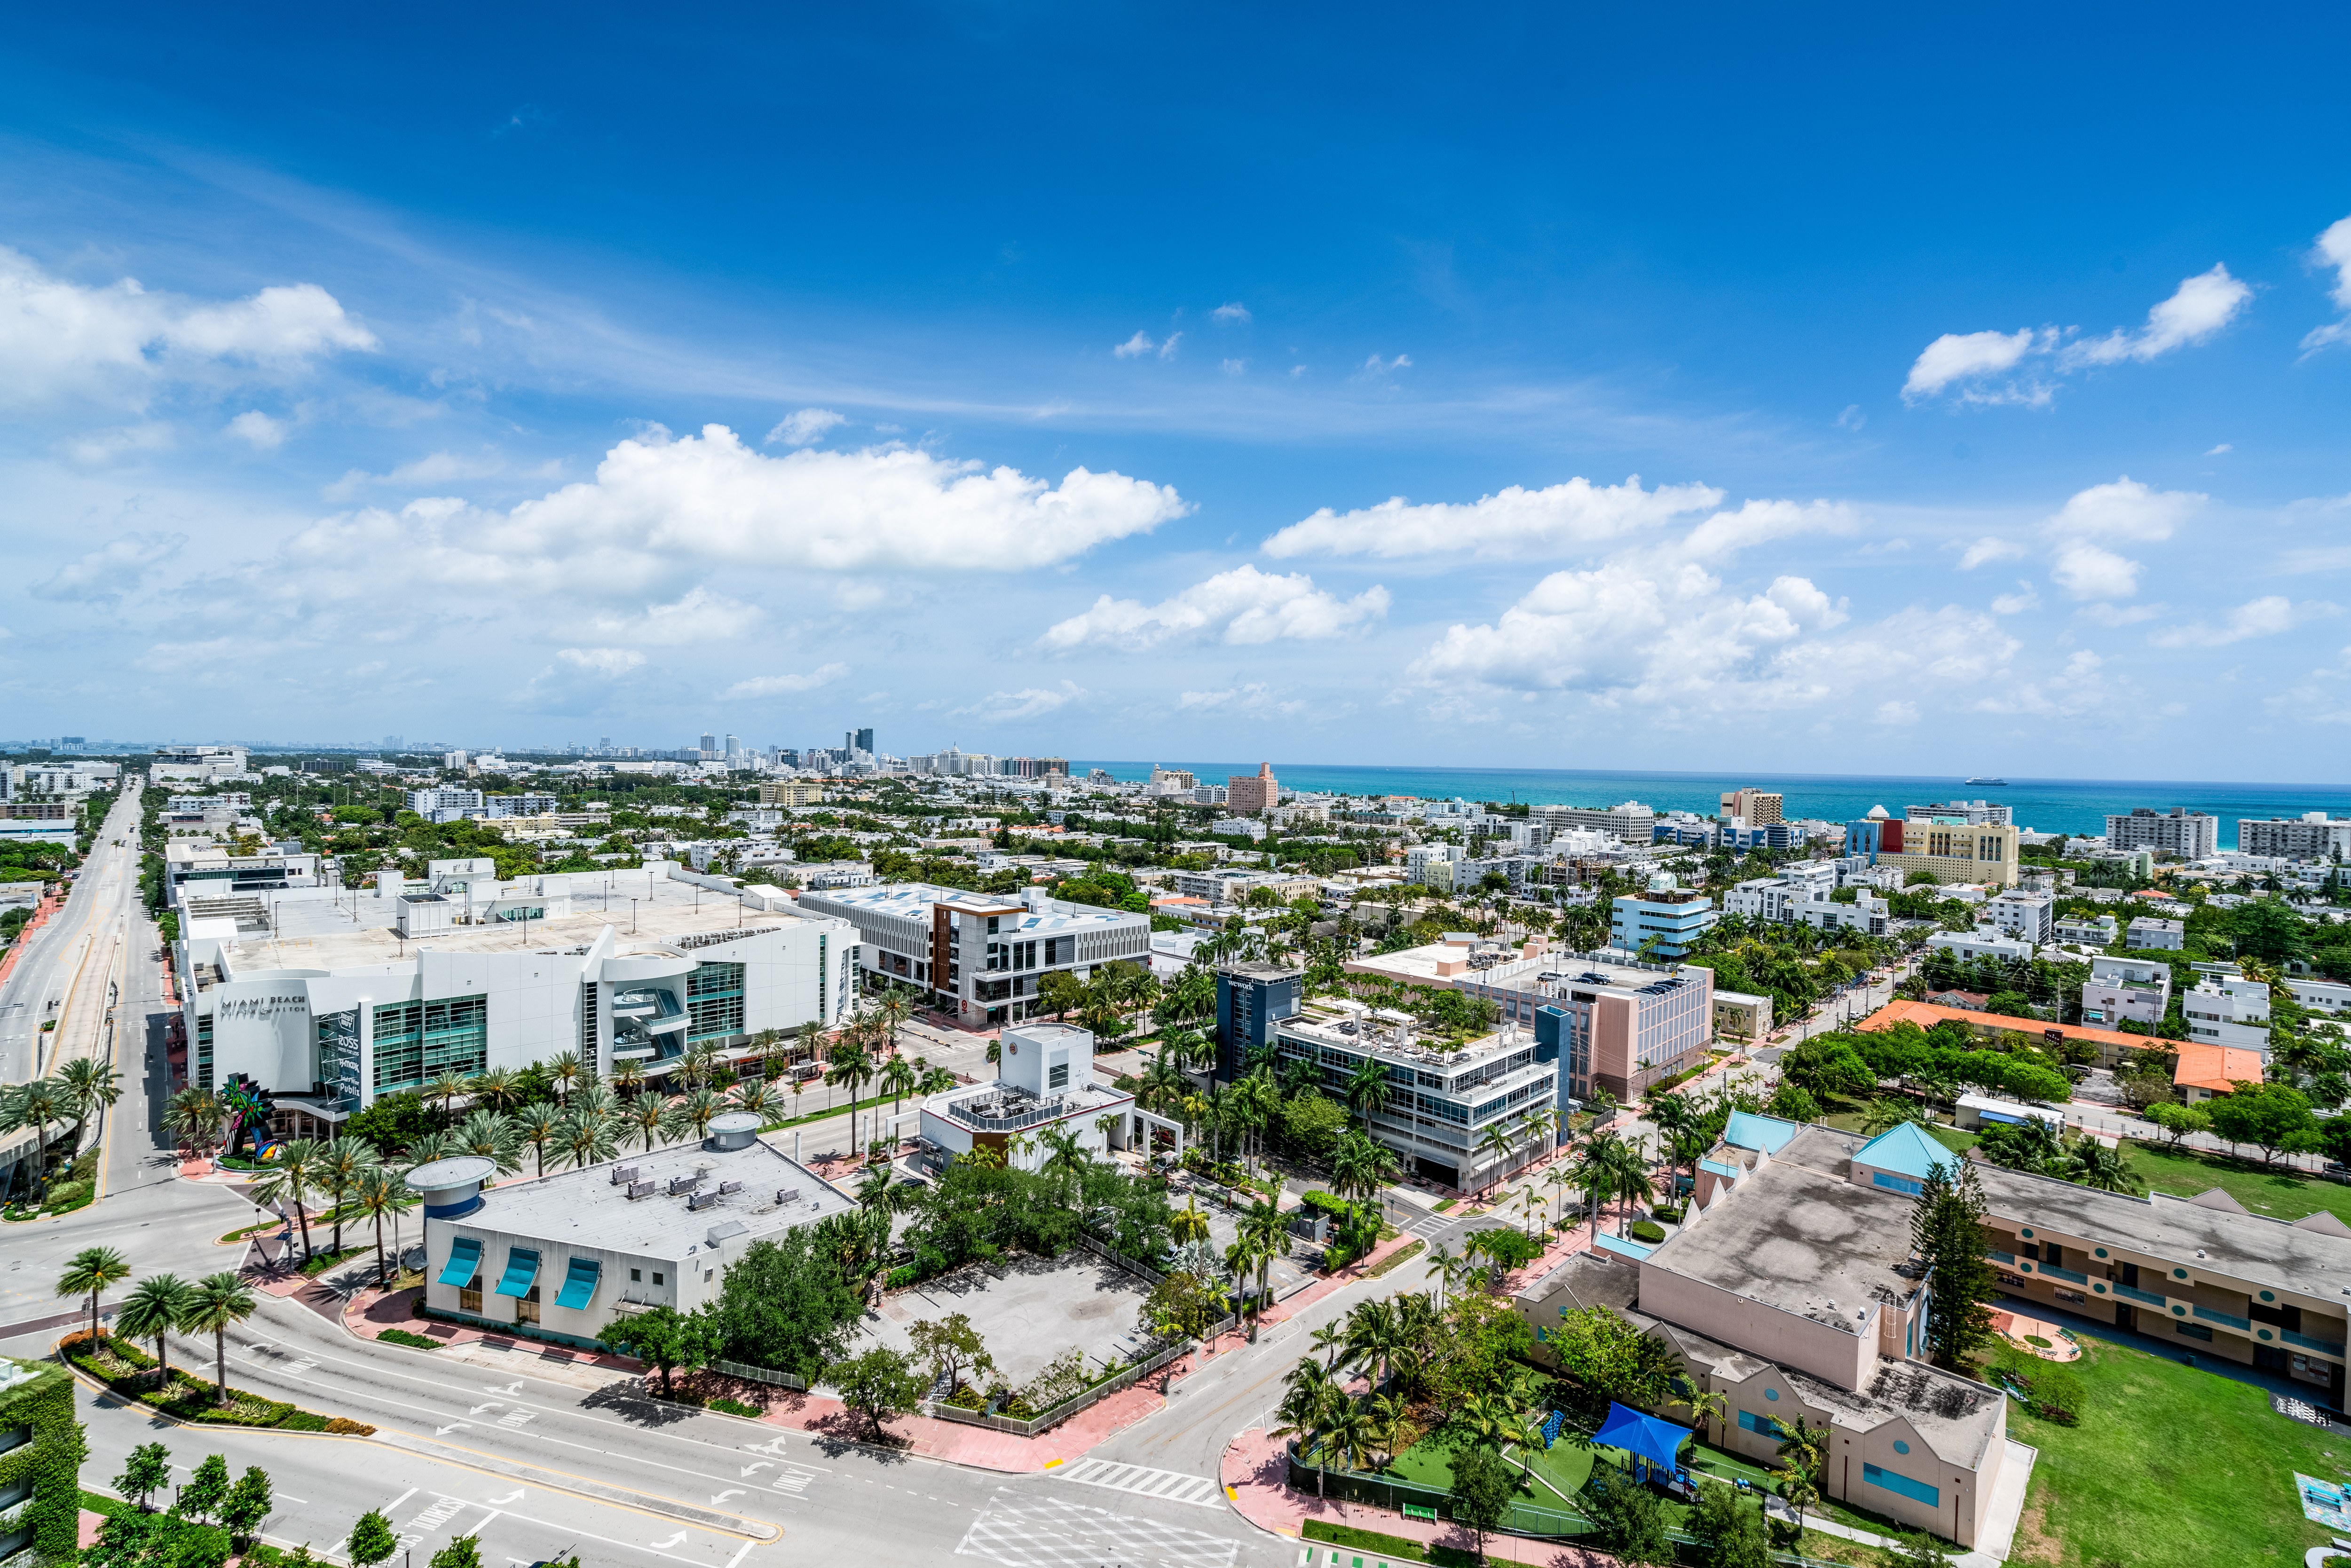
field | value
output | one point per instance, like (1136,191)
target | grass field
(2170,1468)
(2278,1191)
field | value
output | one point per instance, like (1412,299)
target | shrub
(413,1341)
(1648,1231)
(344,1425)
(906,1275)
(1665,1214)
(735,1407)
(303,1421)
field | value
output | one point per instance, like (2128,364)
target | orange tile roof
(2216,1068)
(1926,1015)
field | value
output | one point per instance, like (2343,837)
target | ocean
(2043,805)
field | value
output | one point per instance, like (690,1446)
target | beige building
(1957,852)
(1755,806)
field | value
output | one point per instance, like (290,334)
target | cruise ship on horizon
(1999,781)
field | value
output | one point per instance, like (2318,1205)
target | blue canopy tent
(1644,1437)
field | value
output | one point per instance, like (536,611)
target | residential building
(1984,812)
(1754,806)
(2152,934)
(2190,835)
(1170,781)
(1868,914)
(563,1257)
(1664,922)
(1247,794)
(195,763)
(1629,823)
(2313,836)
(2089,932)
(2137,990)
(791,793)
(1044,1083)
(425,802)
(2223,1007)
(1763,898)
(1250,999)
(1740,1018)
(2109,1047)
(2330,999)
(2028,916)
(980,955)
(1983,942)
(1432,866)
(325,1013)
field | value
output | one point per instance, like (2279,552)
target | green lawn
(2278,1191)
(2170,1468)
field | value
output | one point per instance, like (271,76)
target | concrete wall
(1827,1351)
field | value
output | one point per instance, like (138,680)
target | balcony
(2133,1294)
(2214,1315)
(2303,1342)
(1997,1256)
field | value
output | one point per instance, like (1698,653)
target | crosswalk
(1170,1486)
(1048,1533)
(1428,1225)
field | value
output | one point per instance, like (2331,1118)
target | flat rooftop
(910,899)
(585,1209)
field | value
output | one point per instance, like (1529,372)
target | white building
(2311,836)
(2225,1009)
(980,955)
(562,1257)
(2090,932)
(2138,989)
(2028,916)
(1983,942)
(2191,835)
(2330,997)
(1868,914)
(1044,1084)
(195,763)
(2149,934)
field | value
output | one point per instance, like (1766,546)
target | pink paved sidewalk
(1254,1477)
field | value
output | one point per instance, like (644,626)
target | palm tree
(538,1125)
(1890,1110)
(563,1069)
(446,1086)
(1262,1227)
(699,1108)
(759,1096)
(1707,1405)
(1360,1166)
(496,1087)
(1162,1086)
(894,1008)
(194,1116)
(340,1165)
(1367,1088)
(1310,1407)
(1500,1141)
(1330,1341)
(1805,1448)
(899,1077)
(383,1190)
(88,1273)
(36,1105)
(650,1115)
(2095,1166)
(494,1136)
(291,1180)
(88,1083)
(1530,1203)
(585,1136)
(1374,1335)
(1595,1175)
(629,1079)
(852,1064)
(210,1306)
(1445,1264)
(1559,1180)
(152,1310)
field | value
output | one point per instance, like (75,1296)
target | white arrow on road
(479,1408)
(511,1388)
(772,1446)
(722,1497)
(514,1496)
(673,1541)
(445,1431)
(760,1465)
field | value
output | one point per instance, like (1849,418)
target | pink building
(1247,794)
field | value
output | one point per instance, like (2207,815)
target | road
(66,966)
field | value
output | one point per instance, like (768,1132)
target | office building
(1665,921)
(1250,999)
(1044,1083)
(858,741)
(980,955)
(1753,807)
(2134,990)
(2190,835)
(1247,794)
(563,1257)
(195,763)
(2313,836)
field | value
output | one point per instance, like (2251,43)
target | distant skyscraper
(858,740)
(733,748)
(709,742)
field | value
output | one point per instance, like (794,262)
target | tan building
(790,794)
(1953,851)
(1247,794)
(1756,807)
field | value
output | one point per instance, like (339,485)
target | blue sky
(1122,381)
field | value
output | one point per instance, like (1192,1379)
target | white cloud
(2088,571)
(1252,697)
(2016,603)
(610,664)
(1240,606)
(1236,367)
(1852,418)
(2078,689)
(97,447)
(2118,615)
(1898,713)
(807,425)
(697,616)
(1759,522)
(113,569)
(435,468)
(117,344)
(1972,356)
(1513,522)
(2216,451)
(2201,307)
(1234,312)
(1970,366)
(1135,347)
(1029,702)
(2264,617)
(1167,348)
(781,685)
(1989,548)
(710,497)
(264,433)
(2333,250)
(1376,366)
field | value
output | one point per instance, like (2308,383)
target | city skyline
(1722,437)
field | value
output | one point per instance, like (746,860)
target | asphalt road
(77,945)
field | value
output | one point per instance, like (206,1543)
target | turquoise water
(2045,805)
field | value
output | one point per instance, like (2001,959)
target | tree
(463,1552)
(1311,1403)
(1482,1486)
(382,1191)
(246,1508)
(138,1539)
(2270,1116)
(948,1346)
(1729,1529)
(88,1083)
(537,1125)
(340,1165)
(372,1540)
(152,1310)
(88,1273)
(1631,1520)
(36,1105)
(207,1488)
(1060,992)
(880,1384)
(662,1337)
(145,1473)
(1948,1231)
(2178,1121)
(212,1305)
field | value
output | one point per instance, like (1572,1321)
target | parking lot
(1027,1310)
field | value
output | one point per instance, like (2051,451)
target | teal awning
(465,1262)
(578,1283)
(522,1268)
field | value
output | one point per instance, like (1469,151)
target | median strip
(709,1518)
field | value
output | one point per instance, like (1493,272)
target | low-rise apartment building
(980,955)
(2135,990)
(2223,1007)
(1044,1084)
(2087,930)
(2151,934)
(2330,998)
(1665,921)
(1983,942)
(2028,916)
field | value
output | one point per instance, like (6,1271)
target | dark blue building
(1250,999)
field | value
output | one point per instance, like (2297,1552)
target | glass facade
(414,1040)
(714,998)
(339,1056)
(204,1063)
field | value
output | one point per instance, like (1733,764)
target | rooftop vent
(642,1188)
(701,1200)
(727,1187)
(792,1194)
(683,1184)
(622,1176)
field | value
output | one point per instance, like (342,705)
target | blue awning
(464,1262)
(578,1283)
(1643,1437)
(1604,1242)
(522,1268)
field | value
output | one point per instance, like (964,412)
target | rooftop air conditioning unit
(623,1175)
(642,1188)
(700,1201)
(727,1187)
(792,1194)
(683,1184)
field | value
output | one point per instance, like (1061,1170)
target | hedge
(123,1367)
(1648,1231)
(53,1459)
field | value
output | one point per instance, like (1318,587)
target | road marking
(722,1497)
(1171,1486)
(402,1498)
(514,1419)
(1050,1534)
(514,1496)
(673,1540)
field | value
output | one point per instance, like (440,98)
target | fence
(758,1374)
(1068,1407)
(1134,1265)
